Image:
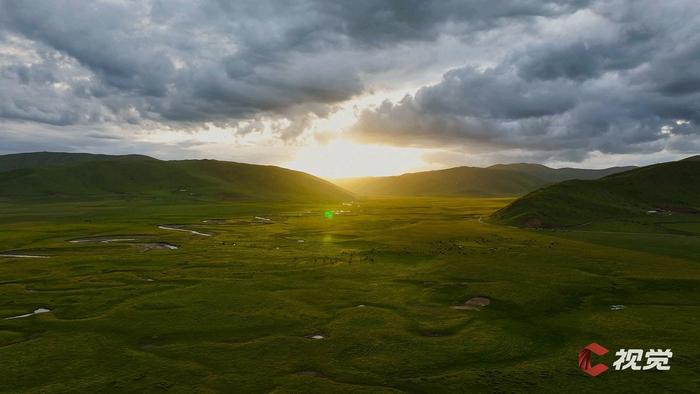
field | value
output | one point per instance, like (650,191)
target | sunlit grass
(234,312)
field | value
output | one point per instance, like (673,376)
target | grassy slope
(84,177)
(464,181)
(498,180)
(669,186)
(17,161)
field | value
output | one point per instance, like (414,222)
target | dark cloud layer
(630,88)
(561,77)
(214,61)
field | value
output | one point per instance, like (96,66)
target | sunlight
(344,159)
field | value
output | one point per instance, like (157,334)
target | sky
(354,88)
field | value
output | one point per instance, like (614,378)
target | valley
(388,295)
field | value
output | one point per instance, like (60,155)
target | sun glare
(344,159)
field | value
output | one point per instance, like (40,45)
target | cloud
(215,61)
(562,78)
(625,86)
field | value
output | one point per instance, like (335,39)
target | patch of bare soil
(473,304)
(533,223)
(315,374)
(431,334)
(158,245)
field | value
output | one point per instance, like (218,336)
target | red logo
(584,359)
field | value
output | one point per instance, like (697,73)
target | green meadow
(355,297)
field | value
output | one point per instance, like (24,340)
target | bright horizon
(342,164)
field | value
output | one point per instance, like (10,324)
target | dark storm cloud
(563,77)
(632,87)
(217,61)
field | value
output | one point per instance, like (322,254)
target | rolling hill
(666,187)
(495,181)
(17,161)
(560,174)
(85,176)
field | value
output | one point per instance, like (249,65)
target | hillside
(17,161)
(666,187)
(498,180)
(83,176)
(463,181)
(560,174)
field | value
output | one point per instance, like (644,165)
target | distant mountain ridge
(560,174)
(665,187)
(495,181)
(87,176)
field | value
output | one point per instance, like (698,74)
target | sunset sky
(354,88)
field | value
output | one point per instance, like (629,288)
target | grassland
(234,311)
